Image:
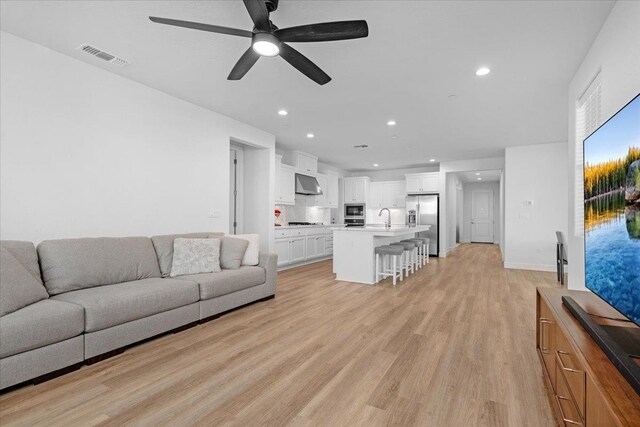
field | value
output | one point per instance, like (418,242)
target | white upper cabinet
(285,183)
(329,185)
(306,163)
(321,200)
(356,190)
(332,190)
(423,183)
(388,194)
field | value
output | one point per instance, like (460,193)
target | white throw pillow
(252,255)
(194,256)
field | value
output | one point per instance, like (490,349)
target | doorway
(482,216)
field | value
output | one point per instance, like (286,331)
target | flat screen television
(612,211)
(612,236)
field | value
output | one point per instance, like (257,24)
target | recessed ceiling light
(283,112)
(479,179)
(482,71)
(310,135)
(432,160)
(391,123)
(477,173)
(394,136)
(452,97)
(376,165)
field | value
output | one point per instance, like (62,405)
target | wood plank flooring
(453,345)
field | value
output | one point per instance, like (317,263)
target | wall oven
(354,211)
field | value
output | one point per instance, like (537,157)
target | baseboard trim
(534,267)
(308,262)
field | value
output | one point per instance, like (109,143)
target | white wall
(493,163)
(535,173)
(452,207)
(616,55)
(84,152)
(497,219)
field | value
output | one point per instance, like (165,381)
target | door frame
(236,204)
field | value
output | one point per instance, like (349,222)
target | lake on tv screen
(612,211)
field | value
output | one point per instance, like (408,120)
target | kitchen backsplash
(303,213)
(397,216)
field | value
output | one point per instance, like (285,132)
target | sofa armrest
(269,261)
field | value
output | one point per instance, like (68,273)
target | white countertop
(309,226)
(380,230)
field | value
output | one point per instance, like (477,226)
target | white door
(282,249)
(482,216)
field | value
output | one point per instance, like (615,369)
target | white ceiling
(487,176)
(418,53)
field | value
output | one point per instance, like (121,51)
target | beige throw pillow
(195,256)
(252,255)
(231,252)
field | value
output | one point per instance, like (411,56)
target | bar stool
(420,251)
(409,250)
(424,244)
(387,251)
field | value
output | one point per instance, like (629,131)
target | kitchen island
(353,256)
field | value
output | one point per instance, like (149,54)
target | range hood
(307,185)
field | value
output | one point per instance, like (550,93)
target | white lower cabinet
(298,249)
(297,245)
(282,249)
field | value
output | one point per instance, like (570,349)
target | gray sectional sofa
(104,294)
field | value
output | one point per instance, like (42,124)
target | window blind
(588,119)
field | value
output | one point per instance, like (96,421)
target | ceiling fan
(268,40)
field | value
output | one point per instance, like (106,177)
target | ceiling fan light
(265,44)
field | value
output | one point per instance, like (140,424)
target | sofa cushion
(25,253)
(18,288)
(164,247)
(112,305)
(72,264)
(252,255)
(43,323)
(194,256)
(231,252)
(213,285)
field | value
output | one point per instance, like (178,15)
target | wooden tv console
(585,388)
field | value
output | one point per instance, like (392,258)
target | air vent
(99,53)
(361,146)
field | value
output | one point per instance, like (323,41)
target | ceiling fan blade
(259,14)
(303,64)
(324,32)
(244,64)
(202,27)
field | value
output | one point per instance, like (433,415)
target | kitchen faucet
(388,223)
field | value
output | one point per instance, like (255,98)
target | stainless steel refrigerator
(427,209)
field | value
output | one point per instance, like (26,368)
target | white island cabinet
(353,255)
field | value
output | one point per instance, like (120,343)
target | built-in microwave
(354,210)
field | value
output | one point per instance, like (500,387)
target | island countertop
(380,230)
(353,249)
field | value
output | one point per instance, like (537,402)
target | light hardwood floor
(453,345)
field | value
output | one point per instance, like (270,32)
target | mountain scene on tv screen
(612,211)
